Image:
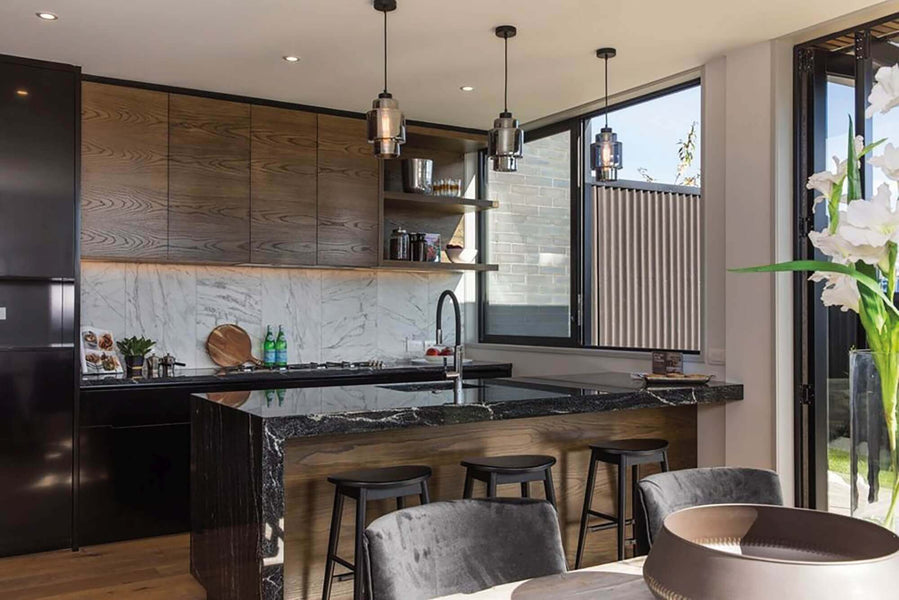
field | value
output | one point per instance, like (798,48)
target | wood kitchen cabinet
(348,194)
(209,180)
(283,179)
(124,166)
(170,177)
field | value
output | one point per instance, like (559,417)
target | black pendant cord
(606,111)
(385,53)
(506,77)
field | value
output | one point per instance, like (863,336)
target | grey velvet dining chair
(661,494)
(461,546)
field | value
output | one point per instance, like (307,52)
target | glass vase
(872,455)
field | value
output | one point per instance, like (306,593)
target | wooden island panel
(309,497)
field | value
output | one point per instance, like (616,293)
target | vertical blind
(647,269)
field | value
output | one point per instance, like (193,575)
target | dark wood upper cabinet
(209,180)
(124,165)
(348,194)
(283,177)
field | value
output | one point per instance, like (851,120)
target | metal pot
(417,175)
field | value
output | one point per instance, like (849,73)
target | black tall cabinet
(39,149)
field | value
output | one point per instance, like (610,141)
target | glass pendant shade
(605,155)
(386,126)
(505,143)
(385,123)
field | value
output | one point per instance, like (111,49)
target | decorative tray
(673,378)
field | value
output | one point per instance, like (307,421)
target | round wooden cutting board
(230,346)
(232,399)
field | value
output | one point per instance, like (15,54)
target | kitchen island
(260,502)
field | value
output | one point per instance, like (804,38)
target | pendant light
(386,123)
(505,142)
(605,152)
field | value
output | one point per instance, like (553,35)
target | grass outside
(838,462)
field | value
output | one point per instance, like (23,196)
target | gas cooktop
(308,366)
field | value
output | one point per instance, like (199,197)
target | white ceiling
(235,46)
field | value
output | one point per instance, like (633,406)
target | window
(661,138)
(608,266)
(529,236)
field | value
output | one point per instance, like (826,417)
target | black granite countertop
(218,379)
(362,408)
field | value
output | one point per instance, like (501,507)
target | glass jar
(419,247)
(398,248)
(869,480)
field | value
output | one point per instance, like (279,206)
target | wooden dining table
(612,581)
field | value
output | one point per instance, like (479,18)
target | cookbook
(98,352)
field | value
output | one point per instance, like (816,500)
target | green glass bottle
(281,348)
(268,349)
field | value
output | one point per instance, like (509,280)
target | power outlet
(2,313)
(716,356)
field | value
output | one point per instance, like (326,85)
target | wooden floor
(149,569)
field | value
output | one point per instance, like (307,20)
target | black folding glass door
(833,78)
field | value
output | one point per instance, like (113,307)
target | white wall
(749,326)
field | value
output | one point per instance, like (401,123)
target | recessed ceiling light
(47,16)
(291,59)
(467,88)
(21,92)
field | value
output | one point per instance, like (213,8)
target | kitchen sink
(431,386)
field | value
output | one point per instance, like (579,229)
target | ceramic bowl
(755,552)
(461,255)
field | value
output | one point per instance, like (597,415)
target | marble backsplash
(326,314)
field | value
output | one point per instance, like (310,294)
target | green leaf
(872,306)
(870,147)
(827,267)
(854,192)
(833,205)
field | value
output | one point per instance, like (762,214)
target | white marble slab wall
(326,314)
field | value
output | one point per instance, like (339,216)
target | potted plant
(134,349)
(862,244)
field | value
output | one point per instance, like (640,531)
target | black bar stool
(521,469)
(624,454)
(365,485)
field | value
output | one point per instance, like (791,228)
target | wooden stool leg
(588,501)
(525,492)
(491,486)
(469,484)
(664,461)
(548,487)
(358,584)
(424,496)
(635,477)
(333,538)
(622,504)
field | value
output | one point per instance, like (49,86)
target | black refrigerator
(39,356)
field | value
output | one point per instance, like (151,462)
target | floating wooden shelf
(444,204)
(408,265)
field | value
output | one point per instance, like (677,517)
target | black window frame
(574,128)
(581,198)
